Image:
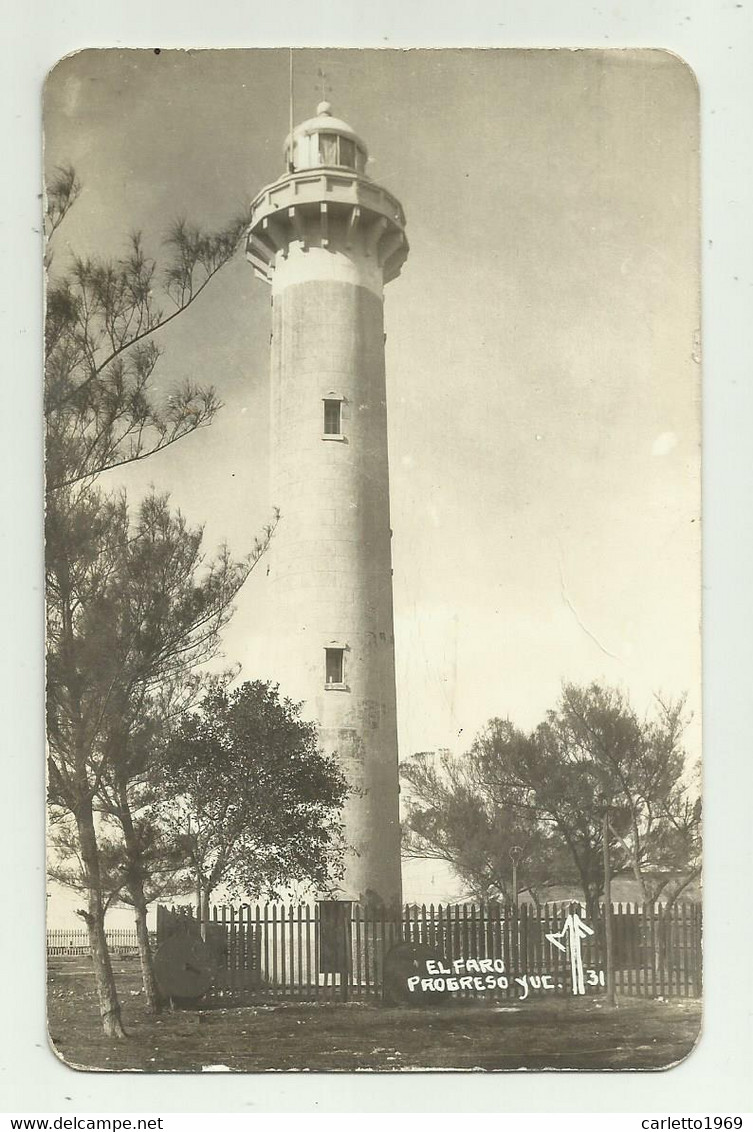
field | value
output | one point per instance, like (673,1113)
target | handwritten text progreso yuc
(488,975)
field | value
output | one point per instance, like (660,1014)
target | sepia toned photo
(372,399)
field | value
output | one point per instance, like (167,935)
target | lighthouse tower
(328,238)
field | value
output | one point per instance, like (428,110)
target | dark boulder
(406,961)
(184,967)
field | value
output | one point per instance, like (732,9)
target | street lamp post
(516,853)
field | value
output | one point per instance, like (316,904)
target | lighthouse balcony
(327,208)
(322,184)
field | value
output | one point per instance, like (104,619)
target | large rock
(403,962)
(184,967)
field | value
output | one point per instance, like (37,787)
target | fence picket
(300,949)
(637,962)
(317,950)
(357,987)
(366,955)
(441,941)
(697,950)
(676,950)
(291,949)
(537,941)
(628,950)
(661,959)
(630,957)
(232,948)
(481,932)
(273,945)
(546,946)
(687,942)
(650,911)
(644,943)
(382,945)
(283,956)
(308,950)
(491,950)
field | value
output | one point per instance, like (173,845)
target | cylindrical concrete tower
(327,238)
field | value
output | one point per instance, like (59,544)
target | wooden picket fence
(75,941)
(287,951)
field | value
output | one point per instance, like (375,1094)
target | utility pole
(611,996)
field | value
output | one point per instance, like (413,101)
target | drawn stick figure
(573,931)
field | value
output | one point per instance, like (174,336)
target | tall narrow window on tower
(334,666)
(332,417)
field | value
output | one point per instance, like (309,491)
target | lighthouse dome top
(325,141)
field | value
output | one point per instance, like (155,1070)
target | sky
(542,346)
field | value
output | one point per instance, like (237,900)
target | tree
(553,787)
(452,816)
(77,691)
(161,864)
(640,764)
(594,753)
(257,801)
(126,634)
(102,412)
(102,321)
(134,869)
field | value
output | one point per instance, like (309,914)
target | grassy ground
(548,1034)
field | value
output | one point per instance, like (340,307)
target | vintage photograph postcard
(372,398)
